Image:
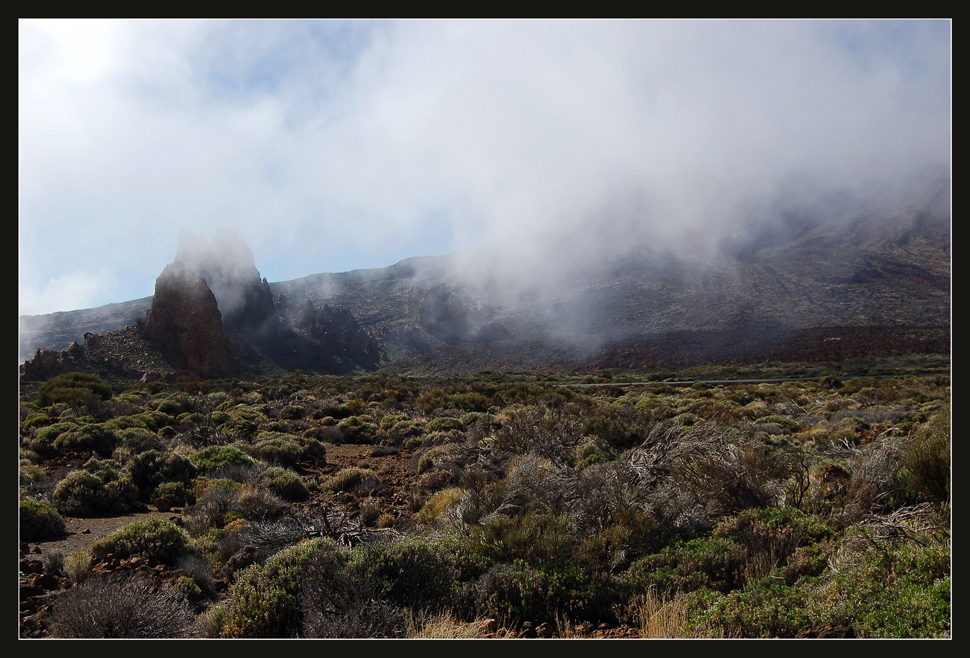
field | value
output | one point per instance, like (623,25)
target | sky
(332,145)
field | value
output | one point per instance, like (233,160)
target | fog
(329,146)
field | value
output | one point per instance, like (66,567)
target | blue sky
(336,145)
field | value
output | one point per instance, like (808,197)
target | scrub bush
(159,541)
(121,607)
(286,450)
(75,389)
(92,439)
(927,459)
(101,487)
(265,601)
(284,483)
(217,457)
(38,520)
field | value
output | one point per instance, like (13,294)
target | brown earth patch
(82,532)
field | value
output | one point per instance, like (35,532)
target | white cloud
(332,145)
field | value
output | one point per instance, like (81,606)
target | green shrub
(892,592)
(356,429)
(74,389)
(397,429)
(775,611)
(81,494)
(30,473)
(139,439)
(173,494)
(619,427)
(351,478)
(776,530)
(900,593)
(35,419)
(390,420)
(517,592)
(445,424)
(159,541)
(291,412)
(265,601)
(98,438)
(413,573)
(535,538)
(286,449)
(152,468)
(38,520)
(216,457)
(712,563)
(786,424)
(242,421)
(170,407)
(927,459)
(101,487)
(43,443)
(142,421)
(284,483)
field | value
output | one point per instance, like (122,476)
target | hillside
(833,268)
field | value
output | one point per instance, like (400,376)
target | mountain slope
(845,265)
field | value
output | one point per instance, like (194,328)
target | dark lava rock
(185,323)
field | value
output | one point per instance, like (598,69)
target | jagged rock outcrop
(328,339)
(184,322)
(441,312)
(124,353)
(49,363)
(338,333)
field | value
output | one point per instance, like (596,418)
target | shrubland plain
(638,504)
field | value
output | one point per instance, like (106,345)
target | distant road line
(714,382)
(718,382)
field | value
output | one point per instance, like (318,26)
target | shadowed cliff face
(184,322)
(333,333)
(443,314)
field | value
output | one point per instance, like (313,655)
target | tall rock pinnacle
(184,321)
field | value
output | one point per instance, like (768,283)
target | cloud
(332,145)
(79,288)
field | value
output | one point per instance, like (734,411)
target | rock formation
(325,339)
(124,353)
(337,333)
(442,313)
(229,269)
(184,322)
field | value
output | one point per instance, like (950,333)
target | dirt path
(82,532)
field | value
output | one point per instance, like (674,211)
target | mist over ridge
(338,145)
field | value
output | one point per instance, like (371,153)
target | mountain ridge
(859,267)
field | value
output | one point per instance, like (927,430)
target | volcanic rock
(185,323)
(229,269)
(445,315)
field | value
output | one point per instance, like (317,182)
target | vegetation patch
(500,504)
